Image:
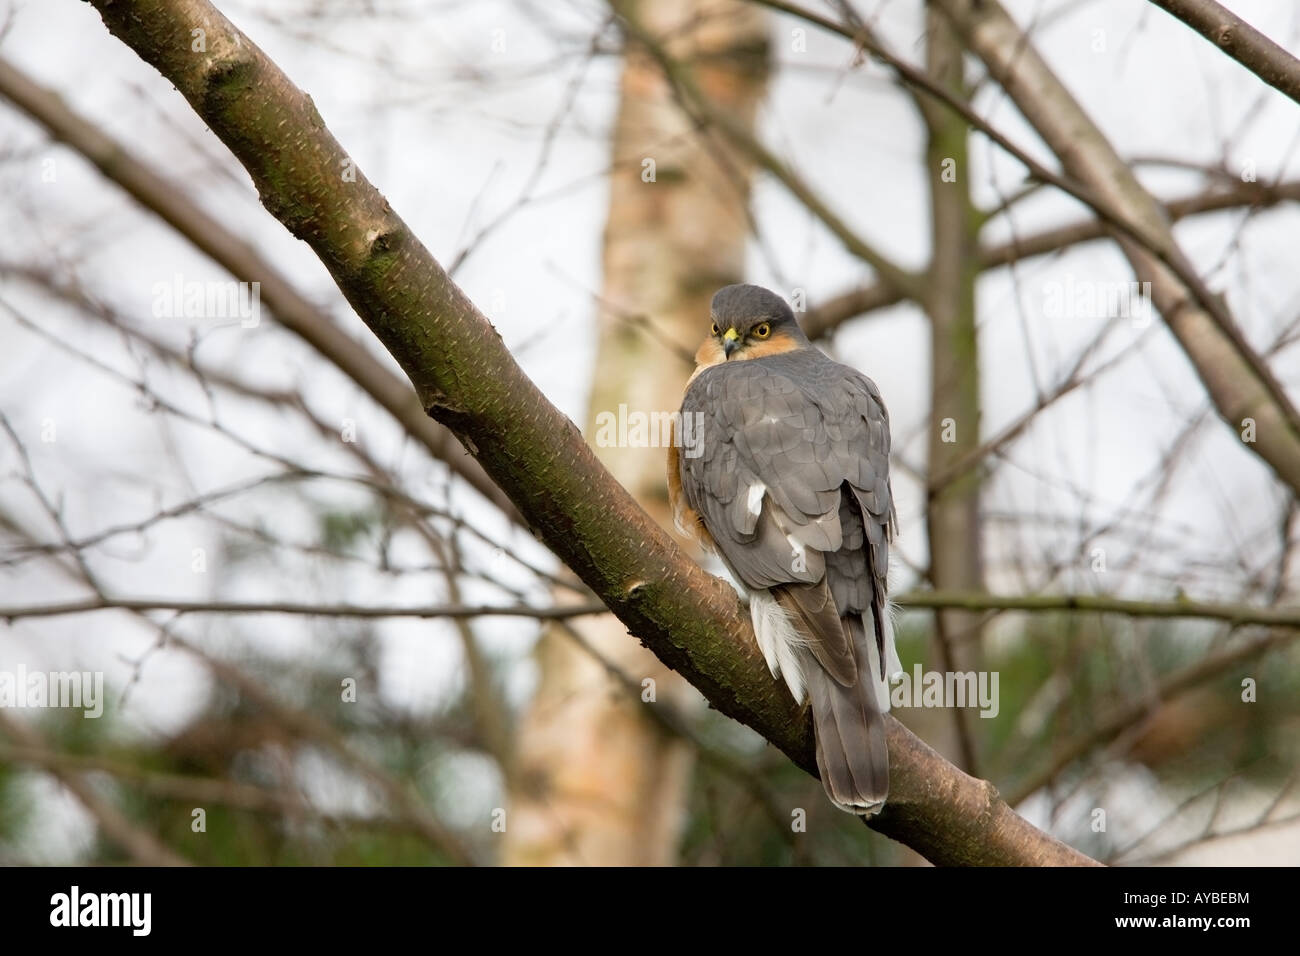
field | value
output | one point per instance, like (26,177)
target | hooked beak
(730,342)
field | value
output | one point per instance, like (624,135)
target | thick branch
(467,379)
(952,513)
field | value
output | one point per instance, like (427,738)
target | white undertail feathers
(784,648)
(780,642)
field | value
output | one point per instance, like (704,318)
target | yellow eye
(713,329)
(762,331)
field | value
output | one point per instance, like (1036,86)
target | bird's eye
(762,331)
(713,329)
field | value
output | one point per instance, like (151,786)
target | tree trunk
(952,514)
(600,782)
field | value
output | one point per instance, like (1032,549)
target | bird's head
(748,322)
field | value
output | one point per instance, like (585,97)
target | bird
(786,479)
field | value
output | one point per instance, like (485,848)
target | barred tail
(852,756)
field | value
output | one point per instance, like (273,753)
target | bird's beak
(730,342)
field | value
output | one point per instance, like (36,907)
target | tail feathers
(852,757)
(863,626)
(811,608)
(846,693)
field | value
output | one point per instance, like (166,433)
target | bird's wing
(775,446)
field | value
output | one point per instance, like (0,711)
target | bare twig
(141,845)
(293,310)
(452,611)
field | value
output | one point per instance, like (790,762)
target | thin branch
(141,845)
(1235,614)
(1238,39)
(194,790)
(171,203)
(836,310)
(303,724)
(452,611)
(1185,608)
(704,110)
(1240,383)
(1112,725)
(1237,379)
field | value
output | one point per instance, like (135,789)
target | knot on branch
(382,251)
(227,78)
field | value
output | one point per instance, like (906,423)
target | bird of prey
(787,481)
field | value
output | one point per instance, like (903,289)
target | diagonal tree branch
(293,310)
(1238,381)
(141,845)
(703,110)
(466,378)
(1239,40)
(1111,725)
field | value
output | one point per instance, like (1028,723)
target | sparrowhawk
(788,483)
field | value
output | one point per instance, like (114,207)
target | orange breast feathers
(686,518)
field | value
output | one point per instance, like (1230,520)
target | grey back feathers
(791,480)
(804,427)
